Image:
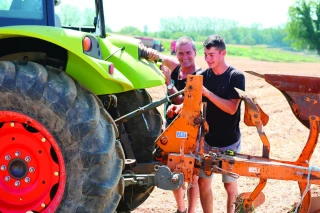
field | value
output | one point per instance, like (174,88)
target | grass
(261,53)
(270,54)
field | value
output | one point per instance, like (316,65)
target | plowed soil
(286,134)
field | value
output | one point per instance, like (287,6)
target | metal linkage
(163,179)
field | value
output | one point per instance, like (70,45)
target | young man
(176,71)
(223,115)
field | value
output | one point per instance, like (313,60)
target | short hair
(186,40)
(215,41)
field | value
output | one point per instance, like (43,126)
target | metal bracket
(163,179)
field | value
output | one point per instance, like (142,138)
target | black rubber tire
(143,142)
(81,127)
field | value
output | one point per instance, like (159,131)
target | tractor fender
(90,71)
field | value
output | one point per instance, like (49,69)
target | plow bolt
(43,140)
(174,178)
(12,124)
(56,173)
(43,205)
(197,121)
(164,140)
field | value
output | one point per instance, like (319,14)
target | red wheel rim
(32,169)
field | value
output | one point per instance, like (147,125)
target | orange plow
(181,144)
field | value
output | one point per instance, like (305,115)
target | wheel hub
(18,168)
(32,171)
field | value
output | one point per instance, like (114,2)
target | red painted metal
(301,92)
(45,171)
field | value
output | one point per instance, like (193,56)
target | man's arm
(171,89)
(229,106)
(174,110)
(169,64)
(168,61)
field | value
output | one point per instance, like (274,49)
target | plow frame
(182,142)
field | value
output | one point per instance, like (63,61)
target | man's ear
(224,52)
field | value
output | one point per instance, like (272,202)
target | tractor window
(76,13)
(5,4)
(21,9)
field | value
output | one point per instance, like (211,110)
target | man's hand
(173,110)
(229,106)
(205,91)
(167,73)
(153,55)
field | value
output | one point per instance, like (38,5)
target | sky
(138,13)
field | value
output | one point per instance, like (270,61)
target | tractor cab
(87,17)
(27,12)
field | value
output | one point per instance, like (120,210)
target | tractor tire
(58,151)
(143,142)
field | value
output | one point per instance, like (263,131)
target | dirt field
(286,135)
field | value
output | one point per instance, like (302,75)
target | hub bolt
(17,154)
(27,180)
(7,157)
(31,169)
(7,178)
(17,183)
(3,168)
(27,159)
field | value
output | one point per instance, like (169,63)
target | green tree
(304,25)
(129,30)
(145,30)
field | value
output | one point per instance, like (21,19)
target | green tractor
(62,86)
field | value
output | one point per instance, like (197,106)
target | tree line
(198,28)
(302,31)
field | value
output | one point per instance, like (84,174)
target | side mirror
(57,2)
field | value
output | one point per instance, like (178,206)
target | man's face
(185,54)
(214,57)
